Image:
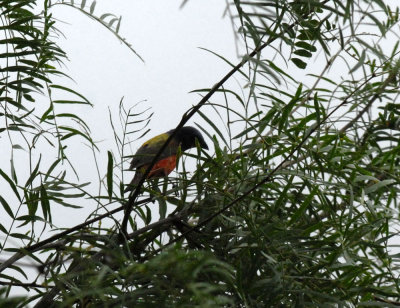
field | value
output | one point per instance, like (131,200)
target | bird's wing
(150,148)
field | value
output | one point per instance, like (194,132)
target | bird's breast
(163,167)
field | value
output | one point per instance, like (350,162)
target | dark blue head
(187,136)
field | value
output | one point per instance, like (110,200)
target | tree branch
(192,112)
(388,80)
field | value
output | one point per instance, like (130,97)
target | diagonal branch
(193,111)
(392,77)
(133,196)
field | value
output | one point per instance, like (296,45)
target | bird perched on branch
(185,138)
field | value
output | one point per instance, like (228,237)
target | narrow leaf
(299,63)
(110,166)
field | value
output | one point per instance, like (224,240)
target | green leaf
(46,113)
(305,45)
(33,174)
(53,165)
(303,53)
(110,168)
(20,236)
(162,207)
(379,185)
(317,109)
(284,116)
(92,6)
(300,211)
(6,207)
(299,63)
(227,61)
(85,100)
(359,63)
(381,26)
(215,128)
(11,183)
(17,147)
(64,101)
(118,24)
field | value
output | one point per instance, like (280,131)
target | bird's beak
(202,143)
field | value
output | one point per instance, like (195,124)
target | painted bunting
(185,138)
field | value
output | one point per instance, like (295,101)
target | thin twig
(24,285)
(189,114)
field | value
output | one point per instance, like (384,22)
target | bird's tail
(135,181)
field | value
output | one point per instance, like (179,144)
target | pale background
(104,70)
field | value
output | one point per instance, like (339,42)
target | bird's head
(187,136)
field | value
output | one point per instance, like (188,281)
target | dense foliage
(296,205)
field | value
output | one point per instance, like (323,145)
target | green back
(146,152)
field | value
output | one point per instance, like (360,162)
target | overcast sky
(166,37)
(104,70)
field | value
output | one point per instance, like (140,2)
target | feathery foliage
(296,205)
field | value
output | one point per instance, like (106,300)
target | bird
(185,138)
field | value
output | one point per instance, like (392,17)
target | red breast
(163,167)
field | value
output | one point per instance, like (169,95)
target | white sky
(168,40)
(105,70)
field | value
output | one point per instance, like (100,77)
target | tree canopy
(295,203)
